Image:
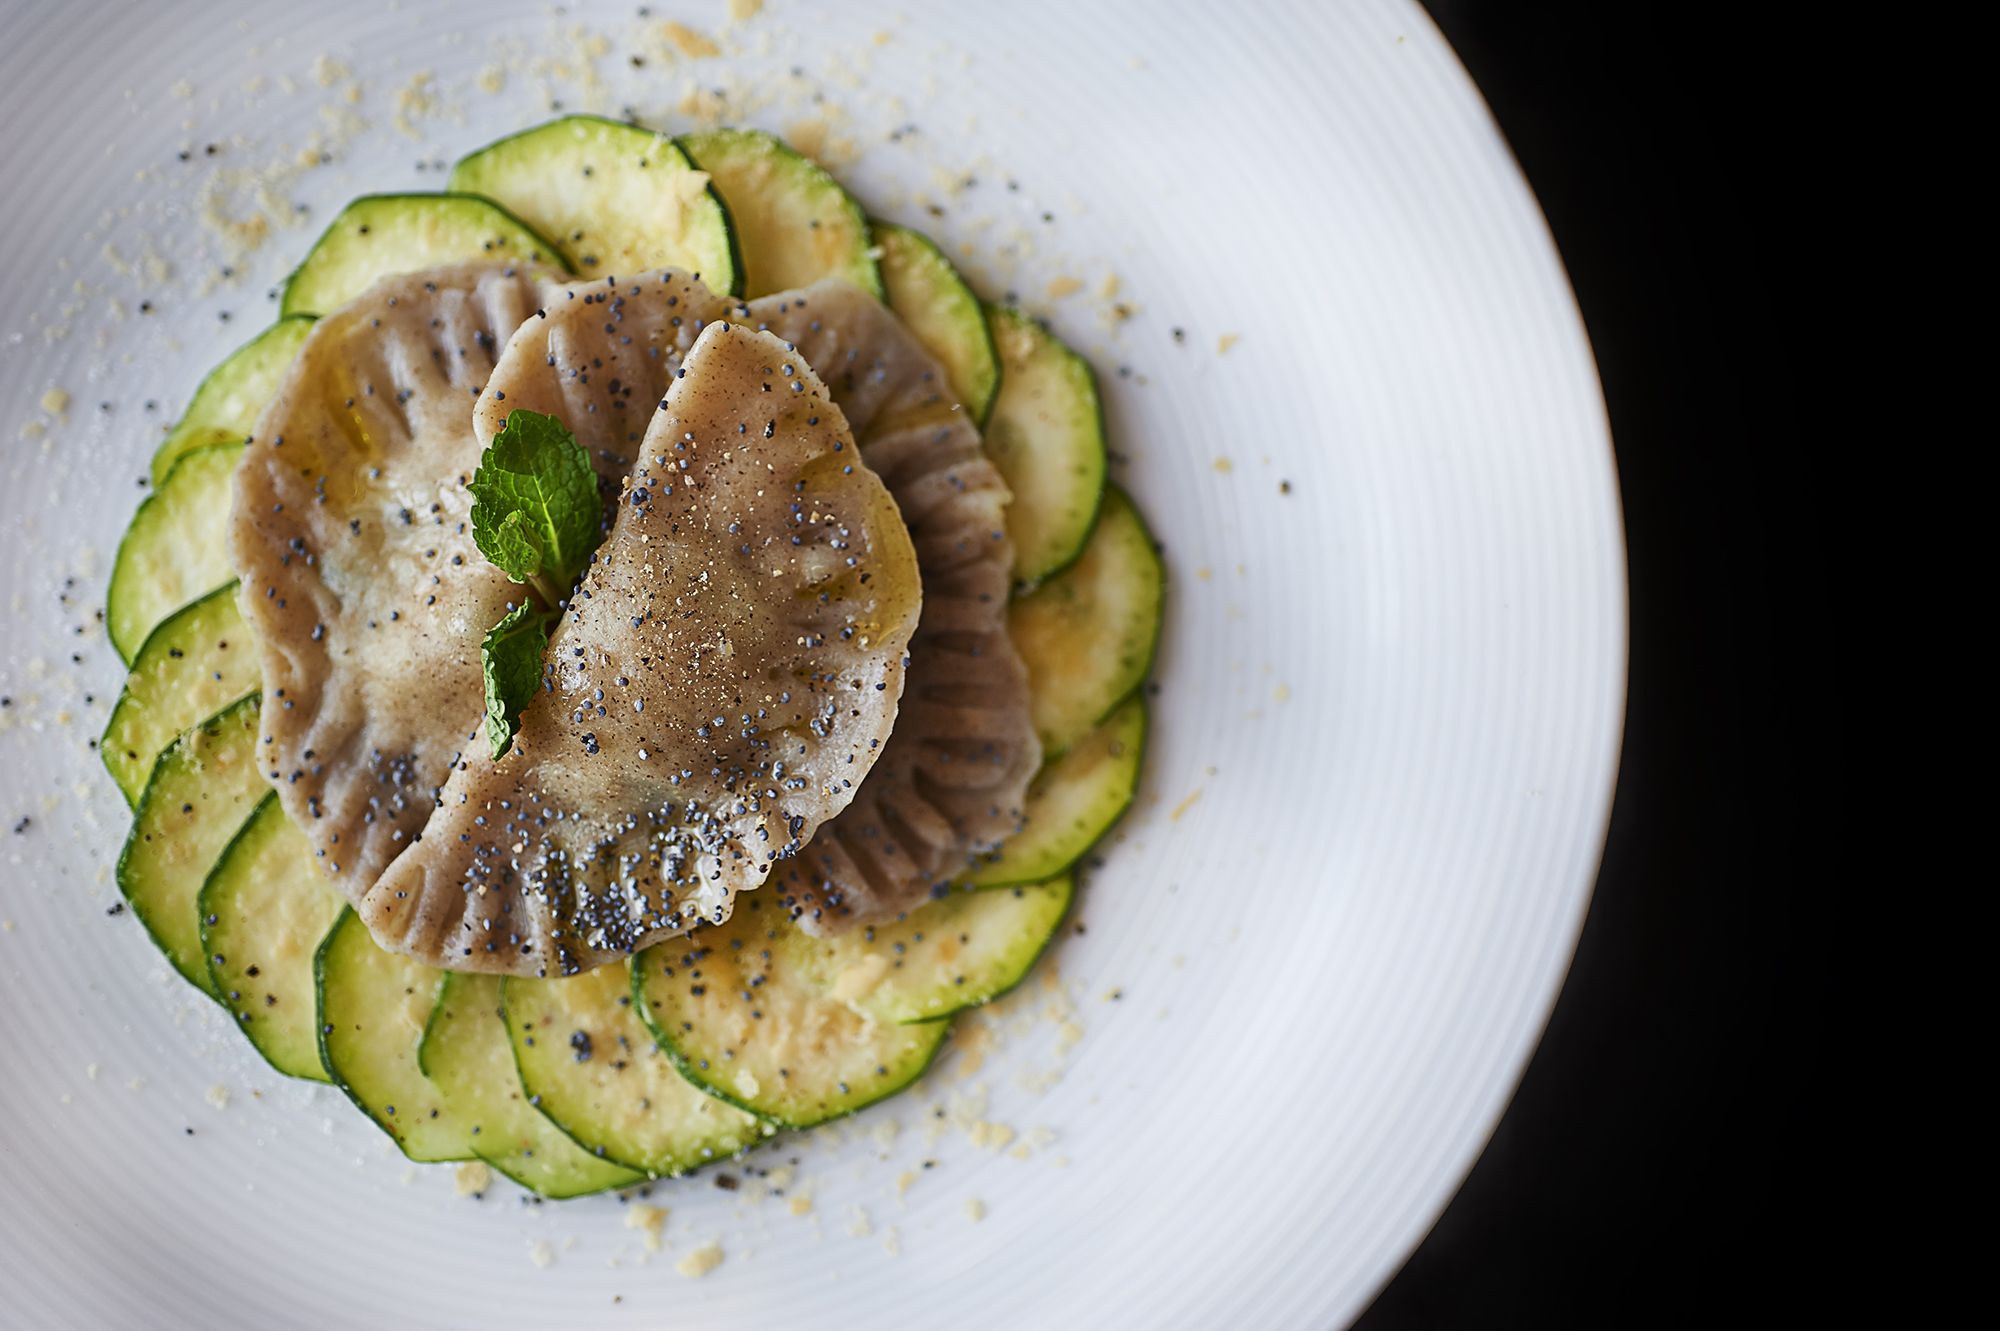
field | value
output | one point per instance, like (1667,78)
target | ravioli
(358,571)
(722,682)
(953,779)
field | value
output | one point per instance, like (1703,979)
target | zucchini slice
(614,198)
(588,1062)
(794,223)
(176,549)
(466,1055)
(757,1011)
(1046,435)
(927,293)
(1072,802)
(263,912)
(226,405)
(373,1006)
(200,792)
(197,660)
(957,952)
(379,235)
(1088,634)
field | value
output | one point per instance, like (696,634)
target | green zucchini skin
(614,198)
(201,791)
(227,402)
(927,294)
(264,910)
(1088,635)
(197,660)
(467,1055)
(176,549)
(587,1062)
(1045,433)
(1075,799)
(373,1007)
(380,235)
(794,223)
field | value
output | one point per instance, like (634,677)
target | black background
(1638,1177)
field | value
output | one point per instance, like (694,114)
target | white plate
(1388,713)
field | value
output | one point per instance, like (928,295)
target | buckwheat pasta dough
(358,571)
(722,682)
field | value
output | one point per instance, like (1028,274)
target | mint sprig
(537,516)
(511,656)
(535,510)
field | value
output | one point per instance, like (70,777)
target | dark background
(1638,1179)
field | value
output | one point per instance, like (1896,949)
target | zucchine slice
(382,235)
(616,199)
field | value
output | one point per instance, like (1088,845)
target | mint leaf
(514,546)
(510,655)
(535,510)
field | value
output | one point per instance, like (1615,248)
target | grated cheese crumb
(1225,342)
(799,1205)
(990,1136)
(218,1096)
(1064,286)
(327,71)
(55,402)
(701,1261)
(472,1179)
(975,1210)
(741,11)
(648,1220)
(541,1254)
(690,43)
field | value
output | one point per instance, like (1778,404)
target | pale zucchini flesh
(176,549)
(754,1010)
(1046,435)
(929,296)
(264,911)
(380,235)
(466,1054)
(1088,634)
(959,951)
(615,199)
(200,792)
(373,1007)
(225,407)
(590,1065)
(1072,802)
(794,223)
(199,658)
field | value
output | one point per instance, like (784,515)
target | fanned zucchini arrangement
(705,1045)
